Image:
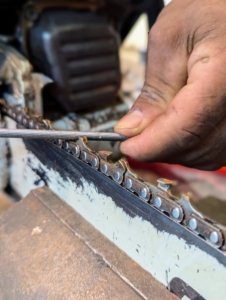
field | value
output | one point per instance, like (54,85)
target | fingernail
(131,120)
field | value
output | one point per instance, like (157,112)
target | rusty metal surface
(48,251)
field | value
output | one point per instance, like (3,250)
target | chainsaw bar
(179,209)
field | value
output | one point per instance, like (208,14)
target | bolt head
(104,168)
(175,213)
(214,237)
(129,183)
(192,224)
(116,176)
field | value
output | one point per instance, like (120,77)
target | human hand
(180,115)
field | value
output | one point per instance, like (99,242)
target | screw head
(116,176)
(104,168)
(129,183)
(94,162)
(192,224)
(84,155)
(214,237)
(143,192)
(157,202)
(176,213)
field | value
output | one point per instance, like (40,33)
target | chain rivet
(9,111)
(24,121)
(176,213)
(192,224)
(75,151)
(19,118)
(84,155)
(66,145)
(104,168)
(157,202)
(116,176)
(129,183)
(214,237)
(94,162)
(31,124)
(59,142)
(143,192)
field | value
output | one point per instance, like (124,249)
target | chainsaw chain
(160,197)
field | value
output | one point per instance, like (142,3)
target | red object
(162,169)
(222,170)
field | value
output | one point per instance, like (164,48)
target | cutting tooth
(199,224)
(166,184)
(184,201)
(114,170)
(47,124)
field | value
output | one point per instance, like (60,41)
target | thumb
(139,117)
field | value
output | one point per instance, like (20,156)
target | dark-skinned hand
(180,115)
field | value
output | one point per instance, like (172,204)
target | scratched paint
(162,254)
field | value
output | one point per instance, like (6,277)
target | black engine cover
(79,51)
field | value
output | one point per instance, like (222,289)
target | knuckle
(156,34)
(187,140)
(165,34)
